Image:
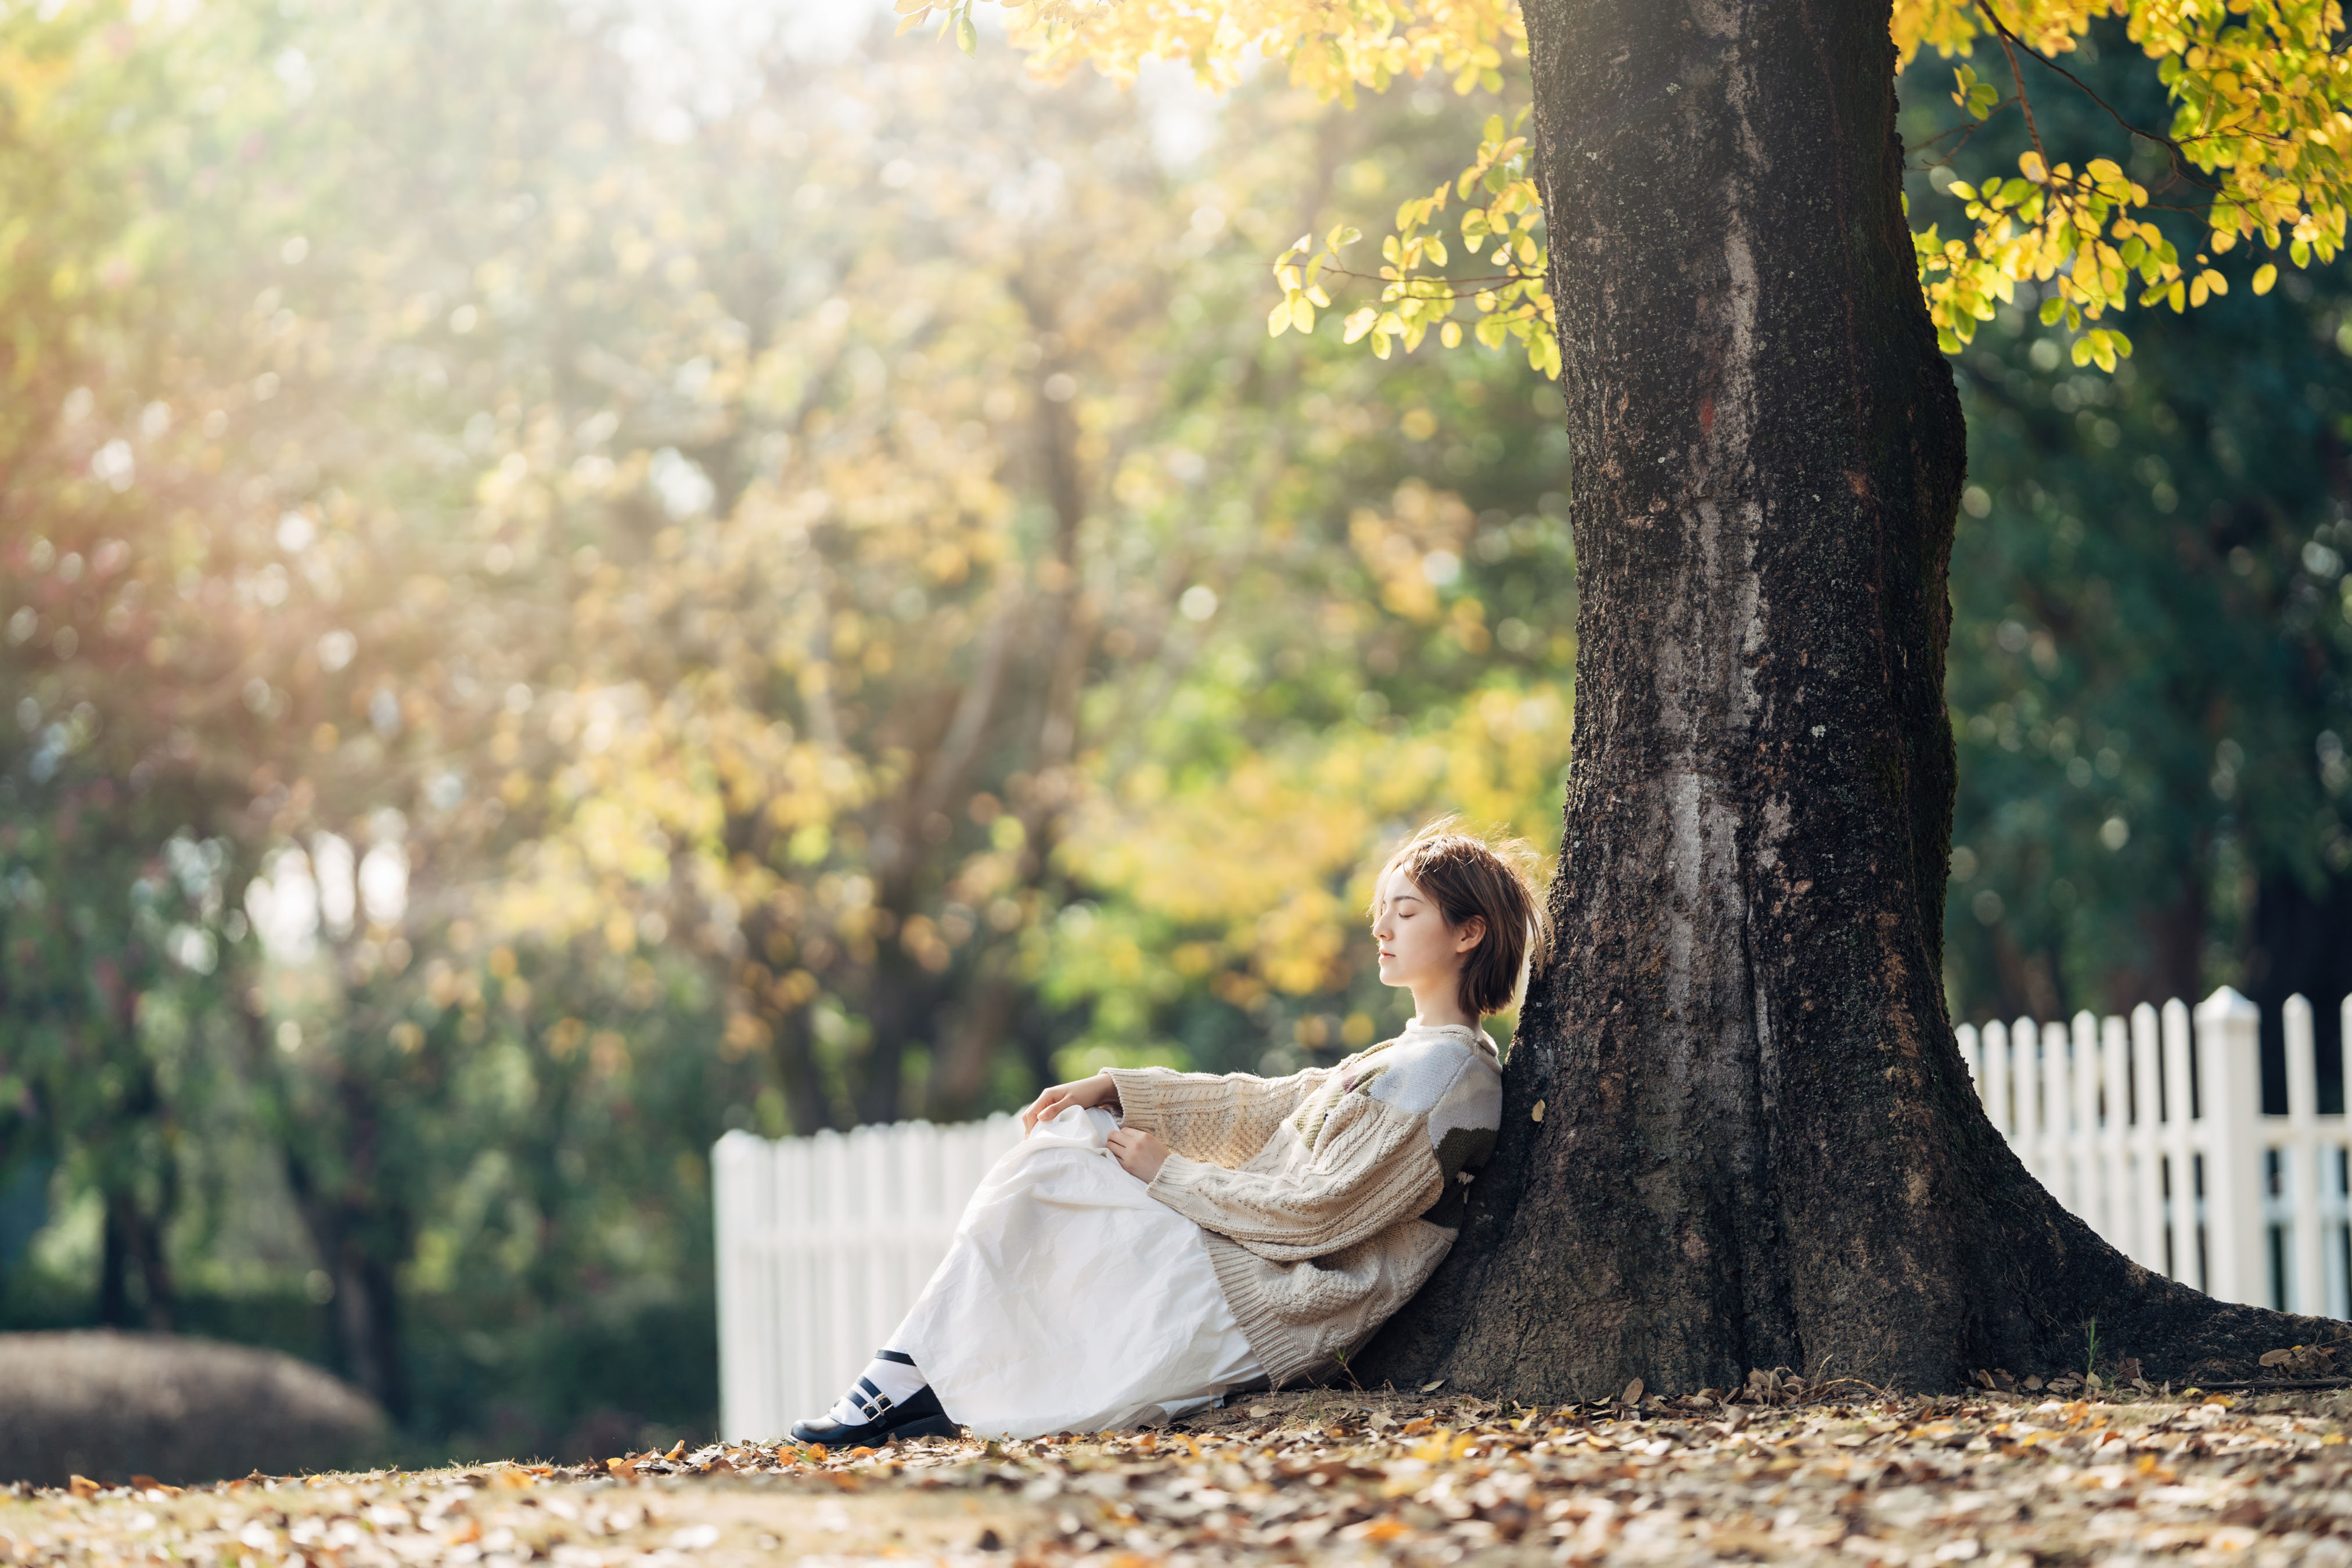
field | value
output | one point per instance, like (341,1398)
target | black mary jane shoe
(920,1417)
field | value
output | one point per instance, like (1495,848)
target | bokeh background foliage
(575,578)
(572,591)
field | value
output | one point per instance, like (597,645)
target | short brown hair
(1471,875)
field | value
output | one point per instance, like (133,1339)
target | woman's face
(1418,948)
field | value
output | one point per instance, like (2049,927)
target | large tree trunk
(1738,1133)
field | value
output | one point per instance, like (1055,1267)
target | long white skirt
(1071,1299)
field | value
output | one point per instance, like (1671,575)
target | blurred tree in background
(566,591)
(2150,645)
(570,593)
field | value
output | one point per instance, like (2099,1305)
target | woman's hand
(1087,1094)
(1138,1153)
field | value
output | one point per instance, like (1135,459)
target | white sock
(883,1384)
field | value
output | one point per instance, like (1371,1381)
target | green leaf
(967,35)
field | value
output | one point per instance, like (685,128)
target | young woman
(1159,1238)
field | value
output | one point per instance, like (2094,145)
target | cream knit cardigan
(1329,1195)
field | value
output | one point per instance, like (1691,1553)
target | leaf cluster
(2255,151)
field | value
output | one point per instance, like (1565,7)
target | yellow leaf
(2264,277)
(1450,334)
(1302,313)
(1277,321)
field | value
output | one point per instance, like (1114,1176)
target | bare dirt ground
(1328,1475)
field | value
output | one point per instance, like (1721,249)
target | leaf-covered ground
(1984,1480)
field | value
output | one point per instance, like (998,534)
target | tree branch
(2010,43)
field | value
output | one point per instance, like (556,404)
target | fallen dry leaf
(1772,1471)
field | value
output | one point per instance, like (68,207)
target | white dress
(1071,1299)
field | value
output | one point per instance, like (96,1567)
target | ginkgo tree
(1738,1131)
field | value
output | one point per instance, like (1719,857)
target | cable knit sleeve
(1223,1120)
(1372,1167)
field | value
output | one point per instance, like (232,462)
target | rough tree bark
(1758,1144)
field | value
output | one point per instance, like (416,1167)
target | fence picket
(2057,1115)
(1996,1079)
(2146,1140)
(2117,1190)
(2306,1267)
(2089,1169)
(2227,1048)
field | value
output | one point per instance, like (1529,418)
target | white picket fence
(2154,1134)
(2148,1128)
(822,1244)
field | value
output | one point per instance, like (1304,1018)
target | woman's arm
(1087,1092)
(1373,1167)
(1223,1119)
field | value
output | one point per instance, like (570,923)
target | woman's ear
(1470,933)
